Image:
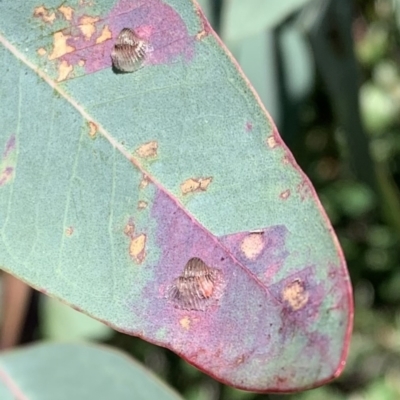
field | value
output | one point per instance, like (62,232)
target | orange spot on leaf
(142,205)
(137,248)
(252,245)
(271,141)
(60,45)
(92,129)
(195,184)
(66,11)
(41,51)
(147,150)
(284,195)
(129,228)
(64,69)
(105,35)
(44,14)
(87,27)
(295,294)
(185,323)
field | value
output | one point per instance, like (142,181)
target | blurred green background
(328,72)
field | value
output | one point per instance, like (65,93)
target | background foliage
(346,137)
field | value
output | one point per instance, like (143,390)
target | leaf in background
(60,322)
(113,182)
(75,371)
(246,18)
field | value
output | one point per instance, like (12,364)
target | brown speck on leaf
(252,245)
(60,45)
(284,195)
(129,229)
(142,205)
(69,231)
(87,27)
(185,323)
(105,35)
(41,51)
(66,11)
(144,182)
(147,150)
(271,141)
(198,288)
(92,129)
(295,294)
(64,69)
(192,185)
(44,14)
(137,248)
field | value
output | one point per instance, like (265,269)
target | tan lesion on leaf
(87,26)
(147,150)
(105,35)
(137,248)
(271,141)
(66,11)
(142,205)
(295,294)
(129,228)
(44,14)
(200,35)
(192,185)
(285,194)
(252,245)
(185,322)
(69,231)
(41,51)
(64,69)
(144,182)
(81,63)
(92,129)
(60,45)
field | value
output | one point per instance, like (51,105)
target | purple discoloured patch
(240,330)
(10,146)
(271,257)
(151,20)
(249,126)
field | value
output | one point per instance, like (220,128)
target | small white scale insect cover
(129,51)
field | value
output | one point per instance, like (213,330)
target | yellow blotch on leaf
(195,184)
(66,11)
(252,245)
(60,45)
(64,69)
(137,248)
(147,150)
(44,14)
(295,294)
(105,35)
(185,322)
(86,25)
